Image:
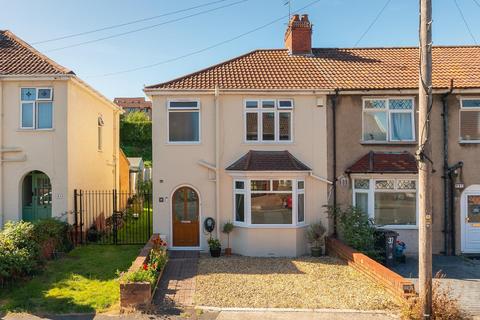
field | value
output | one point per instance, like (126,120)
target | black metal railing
(112,217)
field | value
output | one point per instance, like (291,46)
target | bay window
(268,120)
(470,120)
(388,120)
(184,121)
(388,201)
(36,108)
(269,202)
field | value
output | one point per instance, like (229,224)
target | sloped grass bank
(83,281)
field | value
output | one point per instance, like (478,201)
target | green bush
(356,229)
(21,246)
(136,137)
(47,229)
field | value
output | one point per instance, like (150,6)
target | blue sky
(337,23)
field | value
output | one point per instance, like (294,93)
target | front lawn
(305,282)
(83,281)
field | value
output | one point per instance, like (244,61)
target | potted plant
(215,247)
(316,237)
(227,228)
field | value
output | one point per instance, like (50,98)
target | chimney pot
(298,37)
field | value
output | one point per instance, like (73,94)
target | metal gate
(112,217)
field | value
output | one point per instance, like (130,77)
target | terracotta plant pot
(316,252)
(228,251)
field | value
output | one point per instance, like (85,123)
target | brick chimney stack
(298,37)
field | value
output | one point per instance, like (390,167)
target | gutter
(217,159)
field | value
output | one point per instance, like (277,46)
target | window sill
(397,227)
(388,143)
(269,226)
(267,142)
(35,130)
(469,142)
(183,143)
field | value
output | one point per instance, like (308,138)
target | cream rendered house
(266,139)
(57,134)
(243,141)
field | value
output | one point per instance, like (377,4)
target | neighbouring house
(268,138)
(135,104)
(124,172)
(58,134)
(136,168)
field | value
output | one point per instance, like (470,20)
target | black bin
(385,243)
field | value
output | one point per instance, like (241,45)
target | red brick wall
(393,282)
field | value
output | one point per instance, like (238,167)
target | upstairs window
(184,121)
(268,120)
(470,120)
(36,108)
(388,120)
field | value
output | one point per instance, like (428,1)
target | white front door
(471,222)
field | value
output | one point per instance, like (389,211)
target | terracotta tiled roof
(139,102)
(385,162)
(19,58)
(268,161)
(352,69)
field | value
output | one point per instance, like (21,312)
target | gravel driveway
(286,283)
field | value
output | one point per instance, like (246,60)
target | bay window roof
(268,161)
(385,162)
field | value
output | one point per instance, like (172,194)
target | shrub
(22,244)
(214,244)
(19,251)
(56,230)
(356,229)
(316,234)
(445,305)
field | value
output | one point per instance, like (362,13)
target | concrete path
(177,286)
(462,275)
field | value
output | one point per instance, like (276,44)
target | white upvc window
(390,202)
(470,120)
(36,108)
(269,202)
(183,123)
(388,120)
(268,120)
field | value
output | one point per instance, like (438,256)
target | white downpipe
(217,160)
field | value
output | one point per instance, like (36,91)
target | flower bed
(138,284)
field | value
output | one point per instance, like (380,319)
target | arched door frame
(199,217)
(21,190)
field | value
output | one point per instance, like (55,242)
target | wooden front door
(185,218)
(37,197)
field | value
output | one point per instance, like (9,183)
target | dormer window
(36,108)
(268,120)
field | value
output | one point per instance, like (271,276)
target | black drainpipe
(446,177)
(334,167)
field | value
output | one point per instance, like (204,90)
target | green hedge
(136,139)
(23,244)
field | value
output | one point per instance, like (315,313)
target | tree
(136,116)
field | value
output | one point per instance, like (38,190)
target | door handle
(467,219)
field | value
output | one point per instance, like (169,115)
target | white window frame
(235,192)
(388,112)
(35,102)
(247,202)
(464,109)
(173,109)
(371,195)
(259,111)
